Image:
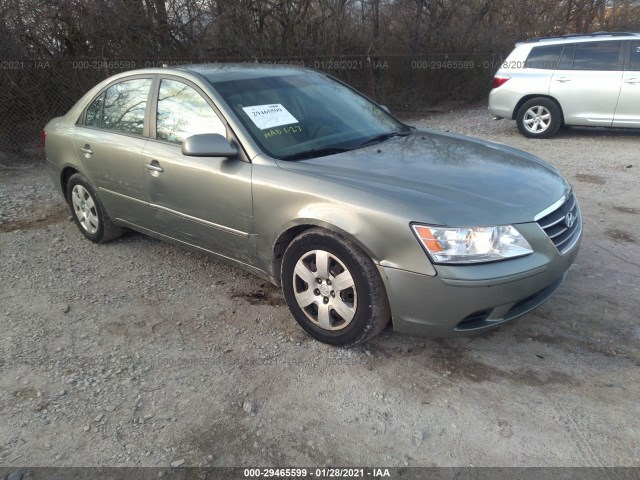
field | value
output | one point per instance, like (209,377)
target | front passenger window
(183,112)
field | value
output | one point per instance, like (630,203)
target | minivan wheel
(88,213)
(539,118)
(333,289)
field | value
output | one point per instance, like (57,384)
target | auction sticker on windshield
(269,116)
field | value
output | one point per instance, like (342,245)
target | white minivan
(586,80)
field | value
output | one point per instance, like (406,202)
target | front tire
(88,213)
(333,289)
(539,118)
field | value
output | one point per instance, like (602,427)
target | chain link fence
(34,91)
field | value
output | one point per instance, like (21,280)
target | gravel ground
(140,353)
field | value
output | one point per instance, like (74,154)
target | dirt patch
(30,393)
(629,210)
(593,179)
(570,344)
(602,348)
(266,295)
(53,216)
(523,336)
(620,235)
(456,362)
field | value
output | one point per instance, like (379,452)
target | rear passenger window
(634,56)
(544,57)
(597,56)
(124,106)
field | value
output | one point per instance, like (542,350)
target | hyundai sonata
(302,180)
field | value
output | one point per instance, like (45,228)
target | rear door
(109,139)
(628,110)
(203,201)
(587,82)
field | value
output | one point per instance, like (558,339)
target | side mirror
(208,145)
(385,108)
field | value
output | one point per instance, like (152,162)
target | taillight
(499,81)
(43,137)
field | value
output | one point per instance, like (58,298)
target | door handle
(86,149)
(632,81)
(563,79)
(154,166)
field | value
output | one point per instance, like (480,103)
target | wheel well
(286,237)
(526,98)
(64,178)
(281,245)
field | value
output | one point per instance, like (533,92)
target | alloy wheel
(85,209)
(537,119)
(324,289)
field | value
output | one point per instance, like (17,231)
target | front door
(202,201)
(628,111)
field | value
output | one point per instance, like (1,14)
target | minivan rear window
(544,57)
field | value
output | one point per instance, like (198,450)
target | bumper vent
(475,320)
(564,225)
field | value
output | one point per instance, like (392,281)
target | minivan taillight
(43,137)
(498,81)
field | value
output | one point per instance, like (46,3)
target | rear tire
(539,118)
(88,213)
(333,289)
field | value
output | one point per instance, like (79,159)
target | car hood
(444,178)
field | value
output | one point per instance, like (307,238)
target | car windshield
(303,116)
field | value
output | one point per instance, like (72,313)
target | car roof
(586,37)
(222,72)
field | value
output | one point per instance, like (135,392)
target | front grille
(559,229)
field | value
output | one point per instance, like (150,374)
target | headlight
(472,245)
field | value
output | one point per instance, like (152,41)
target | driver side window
(183,112)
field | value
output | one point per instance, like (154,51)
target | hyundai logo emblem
(569,220)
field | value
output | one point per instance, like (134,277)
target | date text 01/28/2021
(317,473)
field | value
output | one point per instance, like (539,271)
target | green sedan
(300,179)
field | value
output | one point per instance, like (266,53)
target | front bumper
(470,298)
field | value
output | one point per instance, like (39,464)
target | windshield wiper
(316,152)
(383,136)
